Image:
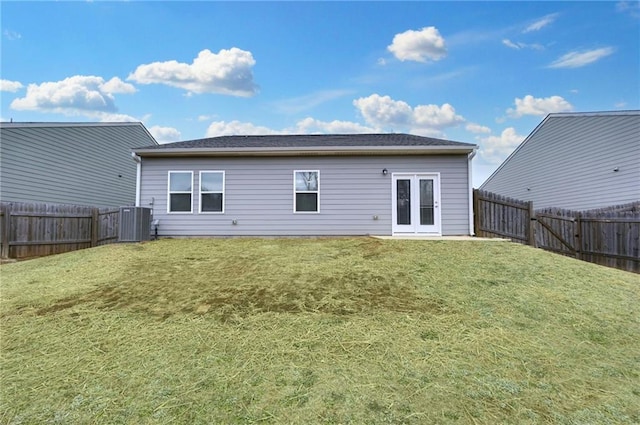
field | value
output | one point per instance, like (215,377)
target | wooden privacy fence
(607,236)
(34,229)
(500,216)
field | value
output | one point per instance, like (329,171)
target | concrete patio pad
(440,238)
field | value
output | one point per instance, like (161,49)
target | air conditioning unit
(135,224)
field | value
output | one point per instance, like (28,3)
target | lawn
(327,330)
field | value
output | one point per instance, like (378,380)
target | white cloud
(227,72)
(434,116)
(164,134)
(633,8)
(384,113)
(306,126)
(223,128)
(519,46)
(541,23)
(303,103)
(108,117)
(80,94)
(579,59)
(530,105)
(116,85)
(477,128)
(511,44)
(12,35)
(12,86)
(381,113)
(454,74)
(313,126)
(494,149)
(420,46)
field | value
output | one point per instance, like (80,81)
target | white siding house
(70,163)
(577,161)
(378,184)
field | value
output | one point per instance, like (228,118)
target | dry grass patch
(328,330)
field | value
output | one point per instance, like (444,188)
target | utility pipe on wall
(138,161)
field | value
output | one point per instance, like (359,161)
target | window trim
(295,192)
(200,192)
(169,192)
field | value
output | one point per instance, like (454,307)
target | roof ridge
(67,123)
(595,113)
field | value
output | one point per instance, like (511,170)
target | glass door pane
(403,201)
(426,202)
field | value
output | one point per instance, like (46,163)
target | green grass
(335,331)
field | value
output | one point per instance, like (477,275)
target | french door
(416,203)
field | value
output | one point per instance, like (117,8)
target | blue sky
(477,72)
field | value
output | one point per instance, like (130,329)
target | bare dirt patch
(331,295)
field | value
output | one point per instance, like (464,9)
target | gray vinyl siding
(259,195)
(568,162)
(70,164)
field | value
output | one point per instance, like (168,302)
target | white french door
(416,203)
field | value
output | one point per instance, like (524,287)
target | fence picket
(35,229)
(606,236)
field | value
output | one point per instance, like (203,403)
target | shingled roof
(305,144)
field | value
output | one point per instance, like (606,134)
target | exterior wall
(83,164)
(259,195)
(568,162)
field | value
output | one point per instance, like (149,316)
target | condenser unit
(135,224)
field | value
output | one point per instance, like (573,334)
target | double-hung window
(180,191)
(306,189)
(212,191)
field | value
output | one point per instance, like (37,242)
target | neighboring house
(577,161)
(356,184)
(70,163)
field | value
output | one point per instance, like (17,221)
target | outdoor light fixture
(385,171)
(616,169)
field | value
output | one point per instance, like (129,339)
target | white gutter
(138,161)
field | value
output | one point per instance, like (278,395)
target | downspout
(472,230)
(138,161)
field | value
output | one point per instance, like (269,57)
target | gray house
(355,184)
(70,163)
(577,161)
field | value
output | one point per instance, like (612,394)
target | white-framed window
(306,191)
(180,192)
(212,192)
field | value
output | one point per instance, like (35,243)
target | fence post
(94,227)
(531,240)
(6,230)
(476,212)
(578,235)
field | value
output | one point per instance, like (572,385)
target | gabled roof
(126,125)
(305,144)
